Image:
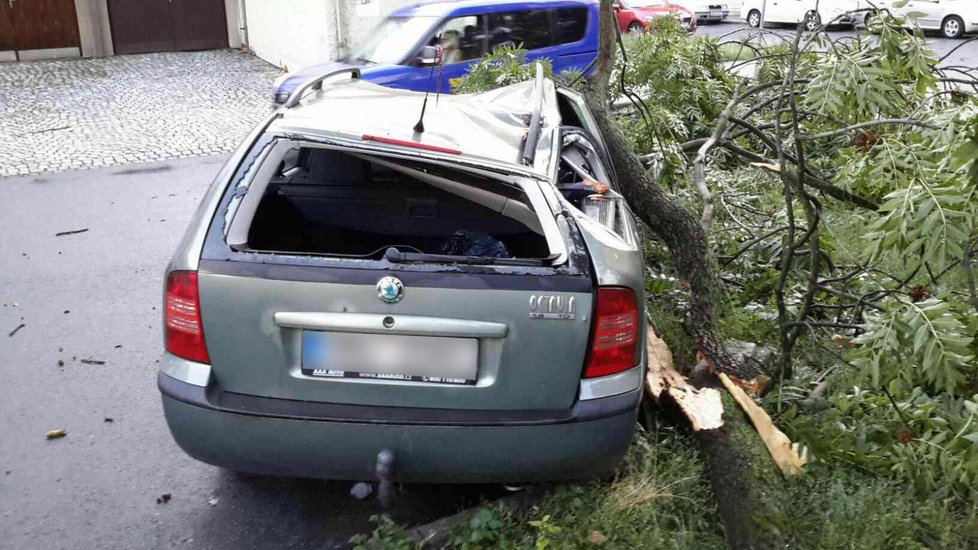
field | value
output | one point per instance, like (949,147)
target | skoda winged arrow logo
(390,290)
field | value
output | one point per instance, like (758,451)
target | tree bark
(744,479)
(681,232)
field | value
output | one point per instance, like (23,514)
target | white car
(830,12)
(953,18)
(707,11)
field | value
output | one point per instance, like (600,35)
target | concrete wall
(296,33)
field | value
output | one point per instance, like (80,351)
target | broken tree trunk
(745,481)
(677,228)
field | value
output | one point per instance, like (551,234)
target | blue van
(398,54)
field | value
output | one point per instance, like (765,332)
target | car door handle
(378,323)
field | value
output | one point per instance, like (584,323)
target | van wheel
(871,21)
(953,27)
(635,27)
(754,18)
(812,21)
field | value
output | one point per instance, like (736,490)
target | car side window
(461,39)
(570,25)
(528,29)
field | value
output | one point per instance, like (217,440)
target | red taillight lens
(614,340)
(184,332)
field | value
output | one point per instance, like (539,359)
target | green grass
(661,500)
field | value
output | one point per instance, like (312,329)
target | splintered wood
(790,457)
(704,408)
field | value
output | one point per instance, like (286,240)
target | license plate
(716,14)
(431,359)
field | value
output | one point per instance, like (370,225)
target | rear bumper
(317,440)
(712,16)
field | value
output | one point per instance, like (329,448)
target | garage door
(37,29)
(140,26)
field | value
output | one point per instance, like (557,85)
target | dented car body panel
(447,244)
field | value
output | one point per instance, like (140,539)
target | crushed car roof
(487,128)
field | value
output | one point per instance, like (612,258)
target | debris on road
(20,326)
(164,498)
(213,501)
(72,232)
(56,434)
(61,363)
(92,362)
(109,420)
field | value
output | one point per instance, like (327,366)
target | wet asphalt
(85,361)
(958,52)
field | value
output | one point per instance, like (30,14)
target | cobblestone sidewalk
(81,113)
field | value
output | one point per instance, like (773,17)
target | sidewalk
(82,113)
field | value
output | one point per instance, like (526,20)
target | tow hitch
(384,471)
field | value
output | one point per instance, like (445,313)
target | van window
(569,25)
(529,29)
(392,38)
(461,38)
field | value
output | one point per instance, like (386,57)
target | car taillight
(614,340)
(184,333)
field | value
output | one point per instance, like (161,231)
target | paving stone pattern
(81,113)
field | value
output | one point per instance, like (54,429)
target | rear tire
(754,18)
(634,27)
(812,21)
(952,27)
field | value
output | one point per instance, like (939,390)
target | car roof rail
(533,132)
(317,84)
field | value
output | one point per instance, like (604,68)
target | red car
(635,15)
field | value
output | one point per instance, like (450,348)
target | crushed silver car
(459,294)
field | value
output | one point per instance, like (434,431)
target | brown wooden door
(140,26)
(43,24)
(199,24)
(6,27)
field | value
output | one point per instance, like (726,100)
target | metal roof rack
(317,84)
(533,131)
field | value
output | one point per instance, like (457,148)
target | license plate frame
(390,357)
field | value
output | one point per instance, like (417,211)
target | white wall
(296,33)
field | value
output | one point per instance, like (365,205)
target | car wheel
(635,26)
(754,18)
(812,21)
(953,27)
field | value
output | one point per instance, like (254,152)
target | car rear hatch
(334,276)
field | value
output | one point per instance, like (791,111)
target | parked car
(829,12)
(563,31)
(706,11)
(953,18)
(635,15)
(358,299)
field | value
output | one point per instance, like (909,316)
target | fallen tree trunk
(746,483)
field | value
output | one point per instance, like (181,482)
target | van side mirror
(428,57)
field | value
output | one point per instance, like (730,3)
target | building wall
(296,33)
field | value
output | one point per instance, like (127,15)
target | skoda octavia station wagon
(459,294)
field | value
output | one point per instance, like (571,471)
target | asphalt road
(96,296)
(966,55)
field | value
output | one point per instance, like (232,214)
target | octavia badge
(390,290)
